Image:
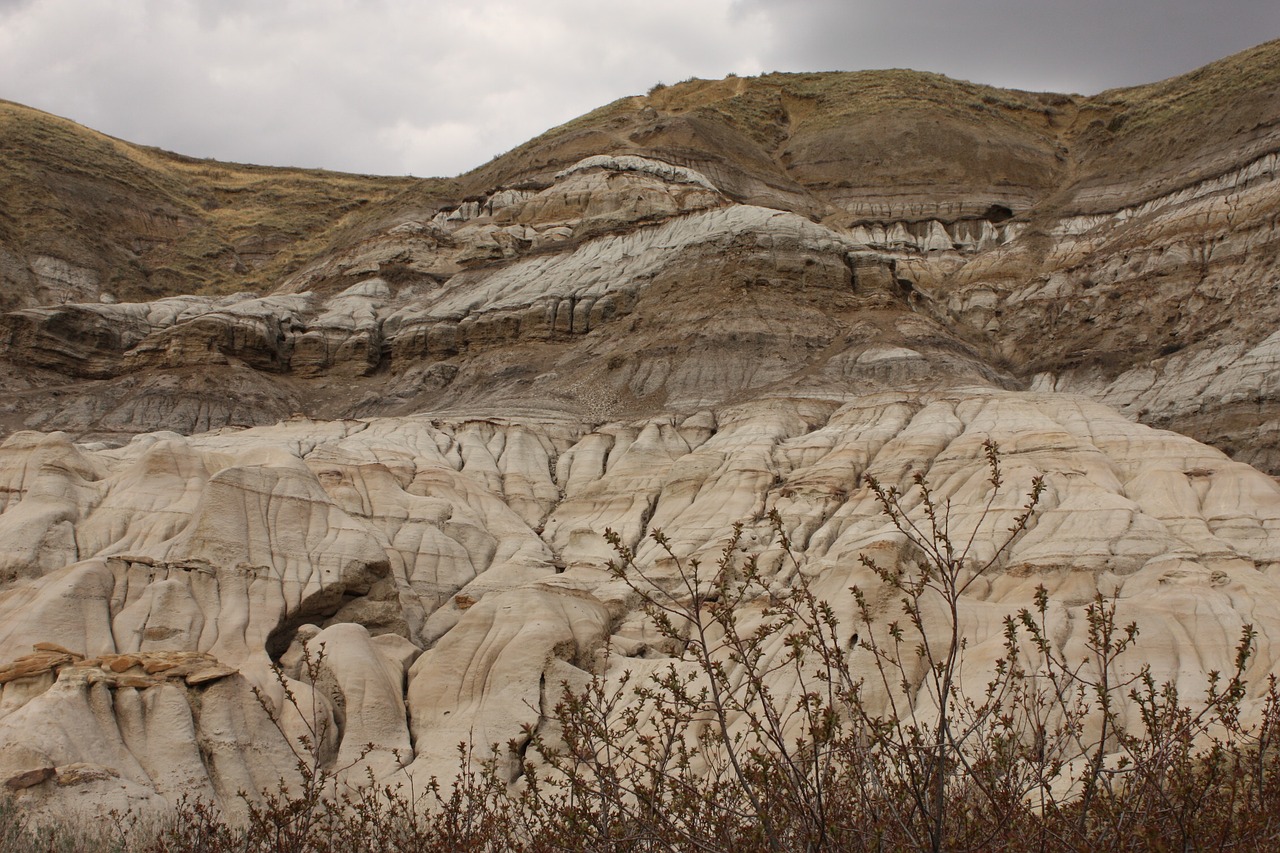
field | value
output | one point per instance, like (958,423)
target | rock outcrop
(198,560)
(379,486)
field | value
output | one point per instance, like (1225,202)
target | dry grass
(157,223)
(1172,133)
(1225,87)
(769,109)
(898,127)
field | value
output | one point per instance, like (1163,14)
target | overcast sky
(436,88)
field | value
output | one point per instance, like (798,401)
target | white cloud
(378,86)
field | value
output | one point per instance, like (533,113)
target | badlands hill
(247,407)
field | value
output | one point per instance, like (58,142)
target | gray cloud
(1078,46)
(396,87)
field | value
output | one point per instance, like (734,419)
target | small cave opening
(997,213)
(323,605)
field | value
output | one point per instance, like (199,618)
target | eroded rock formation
(680,312)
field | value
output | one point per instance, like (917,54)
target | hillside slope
(396,416)
(83,214)
(1072,242)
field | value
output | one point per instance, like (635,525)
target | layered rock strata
(379,486)
(1164,310)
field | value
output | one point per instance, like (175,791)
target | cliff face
(395,416)
(710,240)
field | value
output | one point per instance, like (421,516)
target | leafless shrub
(761,734)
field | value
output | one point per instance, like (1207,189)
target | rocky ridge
(681,311)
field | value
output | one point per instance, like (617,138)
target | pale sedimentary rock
(368,507)
(479,541)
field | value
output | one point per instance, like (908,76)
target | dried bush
(774,727)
